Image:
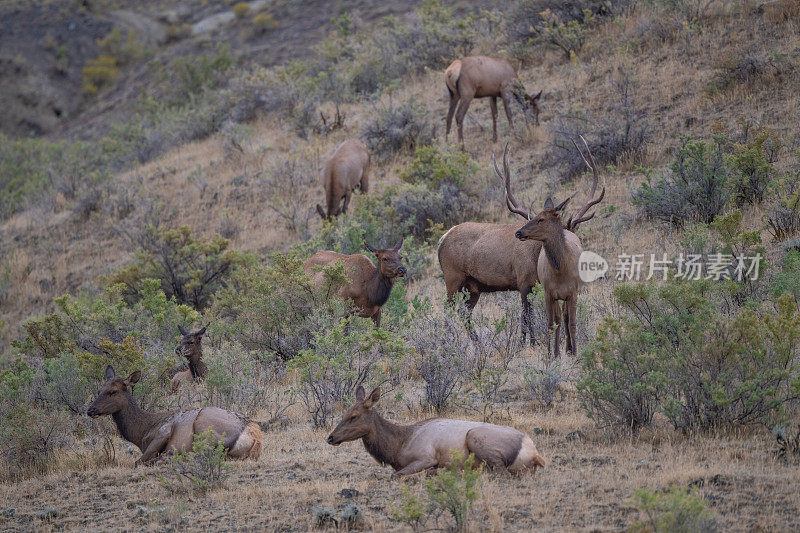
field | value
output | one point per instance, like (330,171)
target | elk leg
(463,106)
(155,447)
(548,309)
(504,96)
(527,322)
(364,183)
(453,102)
(416,466)
(346,202)
(557,318)
(493,106)
(570,323)
(377,318)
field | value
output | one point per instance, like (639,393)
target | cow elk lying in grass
(485,77)
(156,433)
(557,267)
(369,286)
(429,444)
(191,348)
(347,169)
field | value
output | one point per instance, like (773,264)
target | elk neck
(555,249)
(134,423)
(386,439)
(379,288)
(196,366)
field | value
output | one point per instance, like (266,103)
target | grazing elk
(191,348)
(347,169)
(369,286)
(481,257)
(155,433)
(429,444)
(485,77)
(557,267)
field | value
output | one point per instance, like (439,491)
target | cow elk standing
(156,433)
(429,444)
(557,267)
(369,286)
(347,169)
(191,348)
(485,77)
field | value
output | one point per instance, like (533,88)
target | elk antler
(574,221)
(511,202)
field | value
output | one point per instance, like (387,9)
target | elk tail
(451,76)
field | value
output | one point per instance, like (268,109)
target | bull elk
(429,444)
(369,286)
(557,267)
(156,433)
(481,257)
(346,169)
(191,348)
(485,77)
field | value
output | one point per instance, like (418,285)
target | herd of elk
(483,257)
(156,433)
(429,444)
(191,348)
(346,169)
(369,286)
(485,77)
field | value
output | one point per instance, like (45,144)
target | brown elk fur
(346,169)
(156,433)
(485,77)
(429,444)
(369,286)
(192,349)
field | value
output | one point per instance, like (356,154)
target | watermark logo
(591,266)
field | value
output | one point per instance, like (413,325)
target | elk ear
(134,378)
(360,394)
(536,98)
(202,331)
(181,330)
(370,248)
(563,204)
(548,204)
(399,245)
(110,374)
(374,396)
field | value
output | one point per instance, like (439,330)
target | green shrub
(122,50)
(265,21)
(675,511)
(787,281)
(98,73)
(435,165)
(695,189)
(783,221)
(673,351)
(204,466)
(341,358)
(190,269)
(751,174)
(454,488)
(241,10)
(567,36)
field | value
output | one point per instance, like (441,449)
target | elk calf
(369,286)
(485,77)
(347,169)
(429,444)
(156,433)
(191,348)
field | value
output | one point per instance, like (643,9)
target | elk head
(533,105)
(389,261)
(548,221)
(113,394)
(190,342)
(357,422)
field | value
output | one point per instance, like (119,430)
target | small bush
(265,21)
(397,128)
(787,281)
(757,69)
(566,36)
(752,174)
(123,50)
(204,466)
(190,269)
(435,165)
(341,358)
(674,510)
(241,10)
(455,488)
(783,221)
(99,73)
(695,189)
(543,384)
